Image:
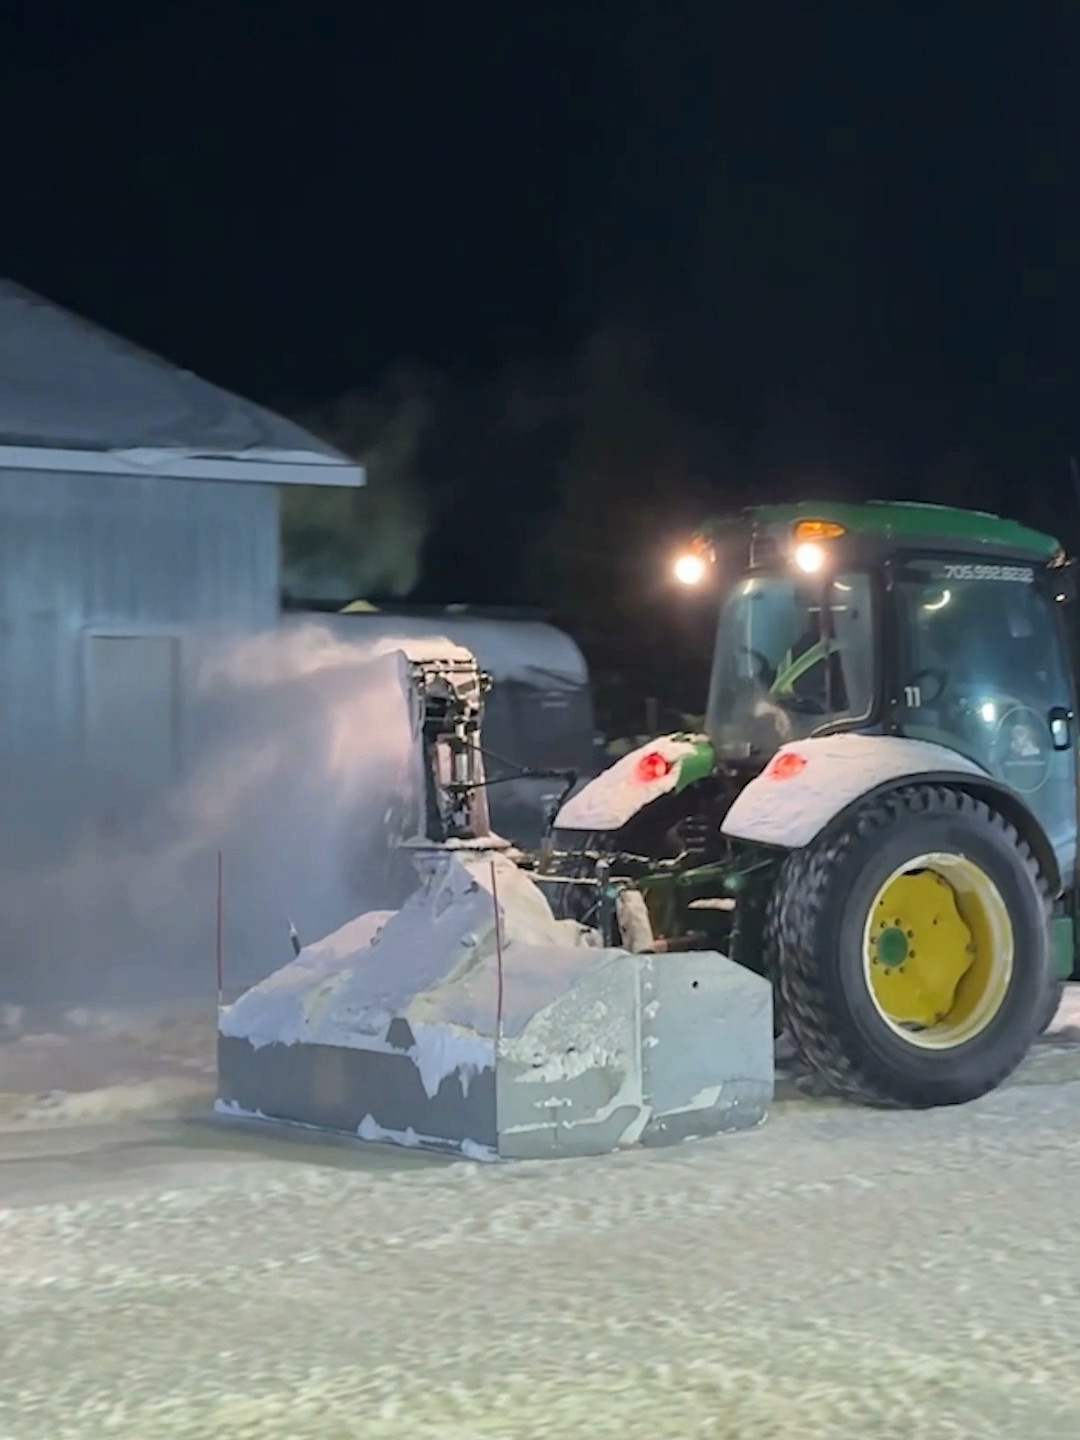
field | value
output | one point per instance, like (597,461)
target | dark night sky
(876,204)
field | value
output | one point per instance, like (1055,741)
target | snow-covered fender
(808,783)
(662,767)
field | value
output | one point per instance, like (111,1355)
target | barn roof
(75,398)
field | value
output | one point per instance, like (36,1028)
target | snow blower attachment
(472,1020)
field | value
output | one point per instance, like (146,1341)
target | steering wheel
(765,672)
(930,672)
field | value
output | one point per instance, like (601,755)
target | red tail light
(784,766)
(652,766)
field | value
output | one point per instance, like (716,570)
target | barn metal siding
(79,553)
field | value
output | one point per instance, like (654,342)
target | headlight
(689,569)
(809,558)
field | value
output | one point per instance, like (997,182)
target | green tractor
(882,813)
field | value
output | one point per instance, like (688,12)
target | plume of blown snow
(302,771)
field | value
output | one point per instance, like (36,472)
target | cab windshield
(794,654)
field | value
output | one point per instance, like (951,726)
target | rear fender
(810,783)
(662,767)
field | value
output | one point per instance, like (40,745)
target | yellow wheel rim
(938,951)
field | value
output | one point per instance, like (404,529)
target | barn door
(133,706)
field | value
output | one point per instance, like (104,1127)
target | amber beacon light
(807,534)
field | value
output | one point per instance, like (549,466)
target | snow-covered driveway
(836,1274)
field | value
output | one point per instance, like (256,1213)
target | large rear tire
(912,948)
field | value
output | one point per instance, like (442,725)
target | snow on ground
(85,1067)
(164,1095)
(836,1275)
(1068,1016)
(839,1274)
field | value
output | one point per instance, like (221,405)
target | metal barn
(138,526)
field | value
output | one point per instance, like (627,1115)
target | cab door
(984,669)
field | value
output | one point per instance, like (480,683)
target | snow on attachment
(388,1030)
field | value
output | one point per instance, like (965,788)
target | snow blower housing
(881,817)
(475,1020)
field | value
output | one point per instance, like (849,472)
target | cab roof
(904,521)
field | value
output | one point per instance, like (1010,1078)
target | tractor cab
(888,619)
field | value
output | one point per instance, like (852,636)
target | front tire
(912,947)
